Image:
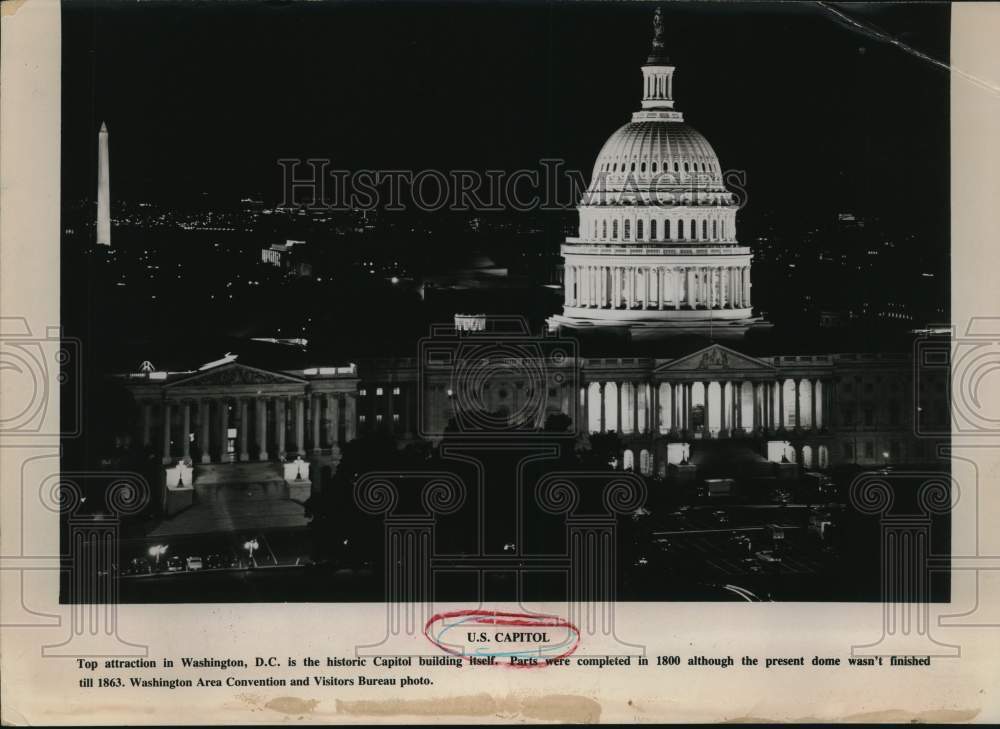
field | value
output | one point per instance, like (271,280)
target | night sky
(204,97)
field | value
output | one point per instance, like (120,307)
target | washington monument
(103,189)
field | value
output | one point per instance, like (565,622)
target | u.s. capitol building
(658,258)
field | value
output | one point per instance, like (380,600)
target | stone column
(812,405)
(618,408)
(706,410)
(567,284)
(186,440)
(755,411)
(688,406)
(166,432)
(244,454)
(781,404)
(333,418)
(205,429)
(224,456)
(603,421)
(746,286)
(736,406)
(691,289)
(798,403)
(829,413)
(260,413)
(316,405)
(280,425)
(635,407)
(654,408)
(146,424)
(350,417)
(300,425)
(729,411)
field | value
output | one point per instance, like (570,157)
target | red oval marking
(499,618)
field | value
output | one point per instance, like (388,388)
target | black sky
(204,97)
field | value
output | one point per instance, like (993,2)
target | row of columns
(657,287)
(324,407)
(766,412)
(701,230)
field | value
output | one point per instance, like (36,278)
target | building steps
(248,472)
(240,497)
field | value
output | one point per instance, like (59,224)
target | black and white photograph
(422,302)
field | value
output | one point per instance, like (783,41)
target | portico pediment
(716,357)
(234,374)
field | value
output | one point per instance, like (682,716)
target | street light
(250,546)
(156,550)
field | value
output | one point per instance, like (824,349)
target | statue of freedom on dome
(658,28)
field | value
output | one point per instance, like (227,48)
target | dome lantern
(657,73)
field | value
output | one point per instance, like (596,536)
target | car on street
(750,564)
(766,555)
(741,541)
(138,566)
(193,563)
(175,564)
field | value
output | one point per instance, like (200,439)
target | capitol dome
(657,250)
(661,152)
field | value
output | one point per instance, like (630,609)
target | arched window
(704,229)
(628,229)
(652,230)
(604,228)
(676,167)
(638,230)
(668,230)
(614,167)
(686,167)
(614,230)
(642,167)
(715,229)
(632,168)
(654,167)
